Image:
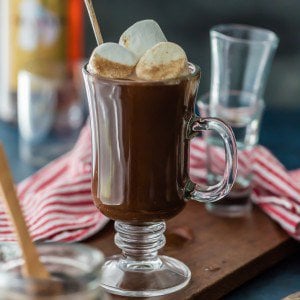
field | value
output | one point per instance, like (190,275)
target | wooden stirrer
(32,266)
(93,18)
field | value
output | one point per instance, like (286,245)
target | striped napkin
(57,200)
(58,205)
(275,190)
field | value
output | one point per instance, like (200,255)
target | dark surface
(10,139)
(275,283)
(280,133)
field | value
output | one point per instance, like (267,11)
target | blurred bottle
(32,30)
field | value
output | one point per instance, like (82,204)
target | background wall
(187,23)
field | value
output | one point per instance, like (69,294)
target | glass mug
(140,140)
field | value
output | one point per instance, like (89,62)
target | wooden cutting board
(222,253)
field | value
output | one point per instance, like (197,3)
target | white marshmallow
(142,36)
(112,60)
(165,60)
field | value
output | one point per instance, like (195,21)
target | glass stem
(140,244)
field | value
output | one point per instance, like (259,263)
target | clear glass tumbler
(75,273)
(140,140)
(241,60)
(244,117)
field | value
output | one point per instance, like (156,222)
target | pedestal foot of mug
(140,271)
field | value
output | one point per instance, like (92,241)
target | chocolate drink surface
(140,152)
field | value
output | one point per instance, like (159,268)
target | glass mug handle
(221,189)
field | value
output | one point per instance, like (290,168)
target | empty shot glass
(241,60)
(243,114)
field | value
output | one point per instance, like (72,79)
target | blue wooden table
(280,133)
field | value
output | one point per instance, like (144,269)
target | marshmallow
(112,60)
(142,36)
(165,60)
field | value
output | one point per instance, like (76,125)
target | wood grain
(221,253)
(32,266)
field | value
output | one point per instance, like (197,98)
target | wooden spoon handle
(32,265)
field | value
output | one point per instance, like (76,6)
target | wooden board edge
(248,271)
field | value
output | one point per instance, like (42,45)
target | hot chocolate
(141,95)
(140,166)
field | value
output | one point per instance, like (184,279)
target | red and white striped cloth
(276,191)
(58,205)
(57,200)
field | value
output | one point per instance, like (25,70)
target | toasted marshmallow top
(142,36)
(165,60)
(112,60)
(116,53)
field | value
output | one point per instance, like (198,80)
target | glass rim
(94,253)
(195,72)
(271,37)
